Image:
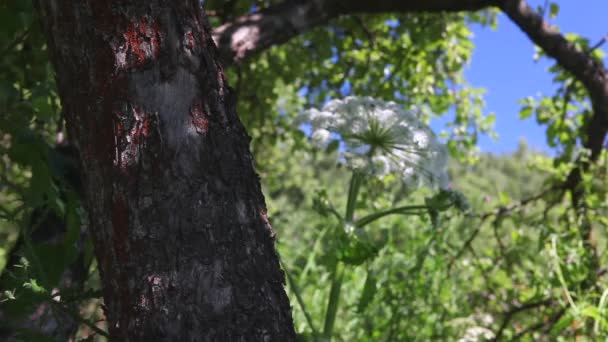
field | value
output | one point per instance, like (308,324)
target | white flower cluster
(476,334)
(379,137)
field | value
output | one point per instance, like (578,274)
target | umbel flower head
(379,138)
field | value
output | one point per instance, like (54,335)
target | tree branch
(592,74)
(256,32)
(508,315)
(589,71)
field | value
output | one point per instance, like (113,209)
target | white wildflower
(380,137)
(485,319)
(321,138)
(381,165)
(421,139)
(475,334)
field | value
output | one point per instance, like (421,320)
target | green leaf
(525,112)
(444,199)
(53,260)
(553,10)
(33,285)
(368,292)
(9,295)
(562,324)
(594,313)
(43,108)
(504,198)
(354,245)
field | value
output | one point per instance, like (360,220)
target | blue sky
(503,64)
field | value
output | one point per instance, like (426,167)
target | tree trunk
(177,216)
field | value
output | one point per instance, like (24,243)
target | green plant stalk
(602,309)
(560,276)
(334,300)
(313,255)
(334,212)
(353,191)
(298,295)
(337,271)
(406,210)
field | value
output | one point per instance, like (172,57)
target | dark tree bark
(178,220)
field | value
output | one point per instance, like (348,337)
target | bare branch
(597,45)
(545,325)
(256,32)
(509,314)
(497,213)
(18,40)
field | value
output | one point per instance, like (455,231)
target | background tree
(284,55)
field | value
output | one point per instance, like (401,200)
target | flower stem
(353,192)
(334,300)
(337,272)
(406,210)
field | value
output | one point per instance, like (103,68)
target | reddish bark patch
(264,215)
(199,119)
(141,127)
(189,40)
(145,127)
(128,140)
(143,40)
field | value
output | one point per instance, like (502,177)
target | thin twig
(465,246)
(597,45)
(368,32)
(546,324)
(508,316)
(498,212)
(299,299)
(22,37)
(79,318)
(545,6)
